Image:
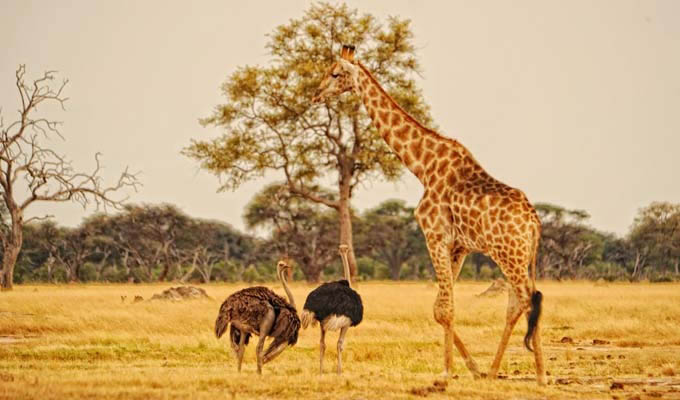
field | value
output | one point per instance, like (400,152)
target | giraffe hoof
(445,375)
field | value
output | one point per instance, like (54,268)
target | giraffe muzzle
(317,98)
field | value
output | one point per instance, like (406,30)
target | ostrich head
(282,266)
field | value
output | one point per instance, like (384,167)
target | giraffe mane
(397,105)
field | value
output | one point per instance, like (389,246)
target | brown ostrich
(259,311)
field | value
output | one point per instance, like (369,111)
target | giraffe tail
(534,314)
(536,297)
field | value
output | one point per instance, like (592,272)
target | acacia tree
(391,234)
(31,172)
(299,229)
(270,123)
(655,238)
(566,241)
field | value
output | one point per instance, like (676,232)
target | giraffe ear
(348,52)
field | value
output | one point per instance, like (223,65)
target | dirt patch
(14,339)
(181,293)
(424,391)
(622,388)
(5,377)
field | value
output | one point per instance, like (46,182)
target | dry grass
(82,342)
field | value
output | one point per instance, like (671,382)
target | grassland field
(80,341)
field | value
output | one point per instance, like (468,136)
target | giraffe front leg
(438,246)
(443,314)
(457,258)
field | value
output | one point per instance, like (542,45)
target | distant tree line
(148,243)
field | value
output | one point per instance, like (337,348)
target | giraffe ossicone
(463,209)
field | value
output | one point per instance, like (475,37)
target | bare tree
(32,172)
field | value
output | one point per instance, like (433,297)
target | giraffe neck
(403,134)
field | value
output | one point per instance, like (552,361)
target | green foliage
(270,124)
(268,118)
(390,233)
(96,250)
(607,271)
(251,274)
(486,273)
(299,228)
(366,267)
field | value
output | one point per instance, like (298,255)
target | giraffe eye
(335,75)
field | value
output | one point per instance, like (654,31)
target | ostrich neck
(291,300)
(345,266)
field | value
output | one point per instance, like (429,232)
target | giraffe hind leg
(514,311)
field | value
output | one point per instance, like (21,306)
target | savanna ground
(81,341)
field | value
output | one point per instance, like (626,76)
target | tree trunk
(102,264)
(346,229)
(191,270)
(478,268)
(312,273)
(636,268)
(75,276)
(12,247)
(166,267)
(395,270)
(49,264)
(9,259)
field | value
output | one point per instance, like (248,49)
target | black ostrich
(336,306)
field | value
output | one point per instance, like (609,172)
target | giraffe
(463,209)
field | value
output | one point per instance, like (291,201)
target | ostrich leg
(274,349)
(241,349)
(341,346)
(322,348)
(265,328)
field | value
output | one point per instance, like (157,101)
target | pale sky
(574,102)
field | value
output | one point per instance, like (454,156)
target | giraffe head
(341,77)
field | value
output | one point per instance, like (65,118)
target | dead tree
(32,172)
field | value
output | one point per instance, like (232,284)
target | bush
(251,275)
(365,268)
(486,273)
(661,277)
(608,271)
(110,274)
(467,271)
(88,272)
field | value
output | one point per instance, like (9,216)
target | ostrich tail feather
(306,318)
(221,324)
